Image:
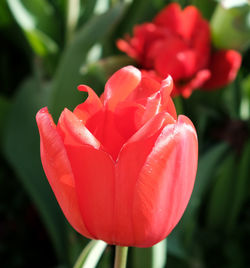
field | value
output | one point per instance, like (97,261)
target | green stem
(121,257)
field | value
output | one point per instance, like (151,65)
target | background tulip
(146,157)
(178,42)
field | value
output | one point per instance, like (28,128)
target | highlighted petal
(120,85)
(58,171)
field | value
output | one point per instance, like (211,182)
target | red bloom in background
(122,167)
(178,43)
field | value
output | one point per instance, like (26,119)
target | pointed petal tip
(167,83)
(184,120)
(120,85)
(84,88)
(42,111)
(42,114)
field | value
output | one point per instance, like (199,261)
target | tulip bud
(230,25)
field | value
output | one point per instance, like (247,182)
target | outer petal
(165,183)
(120,85)
(224,67)
(125,46)
(196,82)
(192,23)
(138,46)
(170,17)
(95,181)
(195,30)
(58,171)
(129,163)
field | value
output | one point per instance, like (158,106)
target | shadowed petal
(224,67)
(196,82)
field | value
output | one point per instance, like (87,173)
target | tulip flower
(178,42)
(122,166)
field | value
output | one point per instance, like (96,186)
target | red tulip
(178,43)
(122,167)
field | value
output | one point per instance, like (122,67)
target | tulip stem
(121,257)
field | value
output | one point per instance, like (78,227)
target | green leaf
(4,109)
(105,67)
(68,75)
(22,150)
(37,20)
(233,3)
(138,12)
(206,7)
(207,166)
(5,18)
(176,245)
(153,257)
(230,26)
(73,13)
(91,254)
(240,192)
(222,194)
(245,100)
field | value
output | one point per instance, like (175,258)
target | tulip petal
(165,183)
(195,30)
(127,118)
(58,171)
(167,103)
(125,46)
(224,67)
(90,107)
(139,46)
(174,57)
(95,179)
(192,23)
(196,82)
(129,163)
(73,131)
(120,85)
(170,17)
(147,87)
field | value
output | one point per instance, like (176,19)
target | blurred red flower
(178,43)
(122,167)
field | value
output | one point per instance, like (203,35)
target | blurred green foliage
(49,47)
